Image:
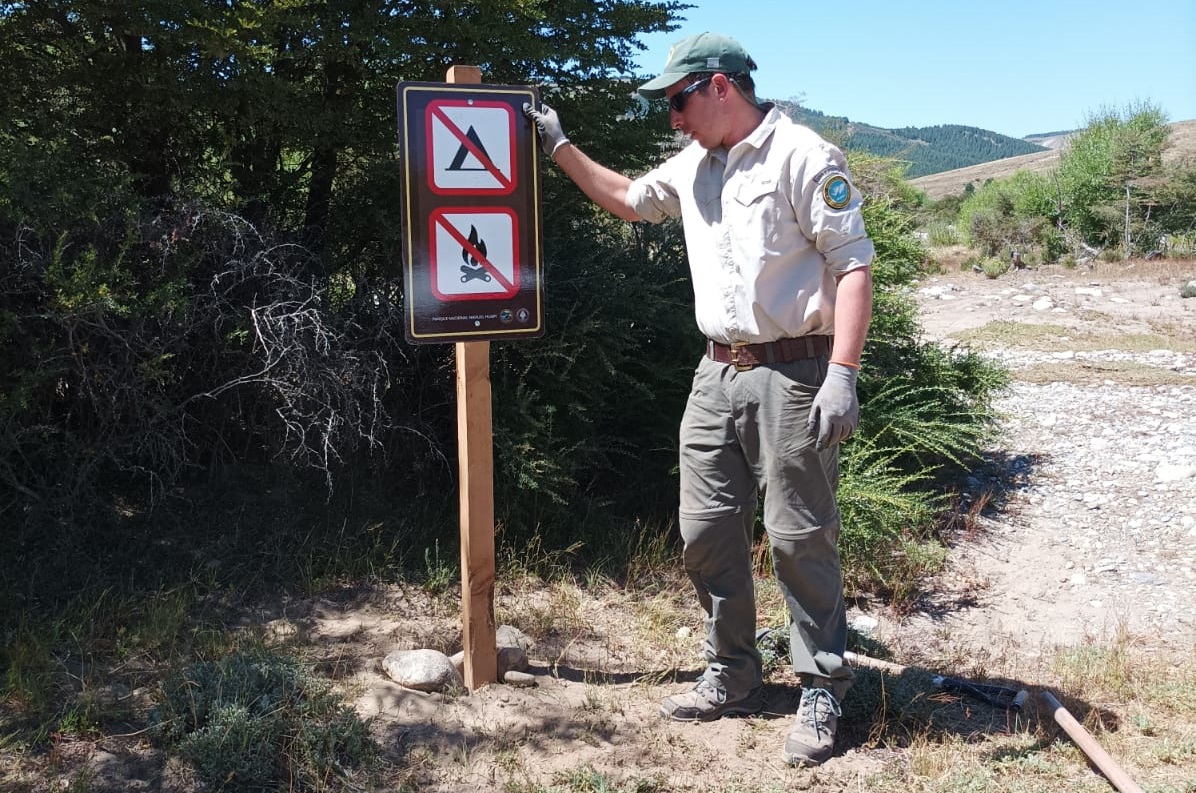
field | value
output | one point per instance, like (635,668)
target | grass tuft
(256,720)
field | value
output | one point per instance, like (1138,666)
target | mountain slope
(928,150)
(937,185)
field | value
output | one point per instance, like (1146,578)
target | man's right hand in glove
(548,125)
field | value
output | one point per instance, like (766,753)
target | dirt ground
(604,657)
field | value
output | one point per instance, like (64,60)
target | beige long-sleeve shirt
(769,227)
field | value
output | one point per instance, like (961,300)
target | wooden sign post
(472,274)
(475,460)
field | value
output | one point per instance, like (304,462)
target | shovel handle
(1091,749)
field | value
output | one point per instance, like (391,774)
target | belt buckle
(739,366)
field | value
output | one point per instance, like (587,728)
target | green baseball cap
(705,52)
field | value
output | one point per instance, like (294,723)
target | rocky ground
(1098,534)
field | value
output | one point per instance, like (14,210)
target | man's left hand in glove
(836,410)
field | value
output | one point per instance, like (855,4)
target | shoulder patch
(830,169)
(836,192)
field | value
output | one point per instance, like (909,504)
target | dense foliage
(925,150)
(199,321)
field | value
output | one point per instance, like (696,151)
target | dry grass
(1090,372)
(898,735)
(1057,338)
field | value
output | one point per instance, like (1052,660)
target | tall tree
(1108,175)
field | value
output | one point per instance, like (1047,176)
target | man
(782,284)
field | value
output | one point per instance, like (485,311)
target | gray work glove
(548,124)
(836,409)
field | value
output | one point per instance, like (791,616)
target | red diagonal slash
(480,257)
(486,162)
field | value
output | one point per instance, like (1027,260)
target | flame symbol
(478,243)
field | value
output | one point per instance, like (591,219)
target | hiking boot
(812,738)
(707,702)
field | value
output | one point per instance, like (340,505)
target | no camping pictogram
(474,253)
(471,147)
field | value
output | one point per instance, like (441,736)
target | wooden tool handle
(1088,745)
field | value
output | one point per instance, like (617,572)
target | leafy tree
(1108,177)
(198,225)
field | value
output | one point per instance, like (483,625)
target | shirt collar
(759,135)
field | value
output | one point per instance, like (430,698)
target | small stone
(519,679)
(338,630)
(1168,472)
(684,633)
(422,670)
(864,624)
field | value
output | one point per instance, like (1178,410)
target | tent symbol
(463,154)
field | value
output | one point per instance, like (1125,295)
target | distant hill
(928,150)
(939,185)
(1051,140)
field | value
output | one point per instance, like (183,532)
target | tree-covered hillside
(927,149)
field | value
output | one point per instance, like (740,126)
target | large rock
(510,636)
(422,670)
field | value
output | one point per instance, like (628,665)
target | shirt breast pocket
(756,212)
(756,193)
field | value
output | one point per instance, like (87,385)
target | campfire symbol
(473,269)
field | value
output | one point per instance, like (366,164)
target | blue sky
(1012,66)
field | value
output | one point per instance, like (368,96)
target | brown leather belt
(744,356)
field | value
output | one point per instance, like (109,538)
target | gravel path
(1096,534)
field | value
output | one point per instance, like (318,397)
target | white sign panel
(472,143)
(474,253)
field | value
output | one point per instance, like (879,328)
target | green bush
(925,415)
(943,234)
(994,267)
(259,721)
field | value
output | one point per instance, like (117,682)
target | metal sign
(471,213)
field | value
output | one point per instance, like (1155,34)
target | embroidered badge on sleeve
(836,192)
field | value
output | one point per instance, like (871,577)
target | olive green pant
(744,435)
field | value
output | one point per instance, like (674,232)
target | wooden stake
(475,460)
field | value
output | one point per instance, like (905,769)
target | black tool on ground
(992,694)
(997,696)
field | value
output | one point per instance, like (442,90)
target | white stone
(865,624)
(422,670)
(510,636)
(1168,472)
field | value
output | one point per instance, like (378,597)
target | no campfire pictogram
(472,147)
(474,254)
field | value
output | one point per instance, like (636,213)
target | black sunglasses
(678,100)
